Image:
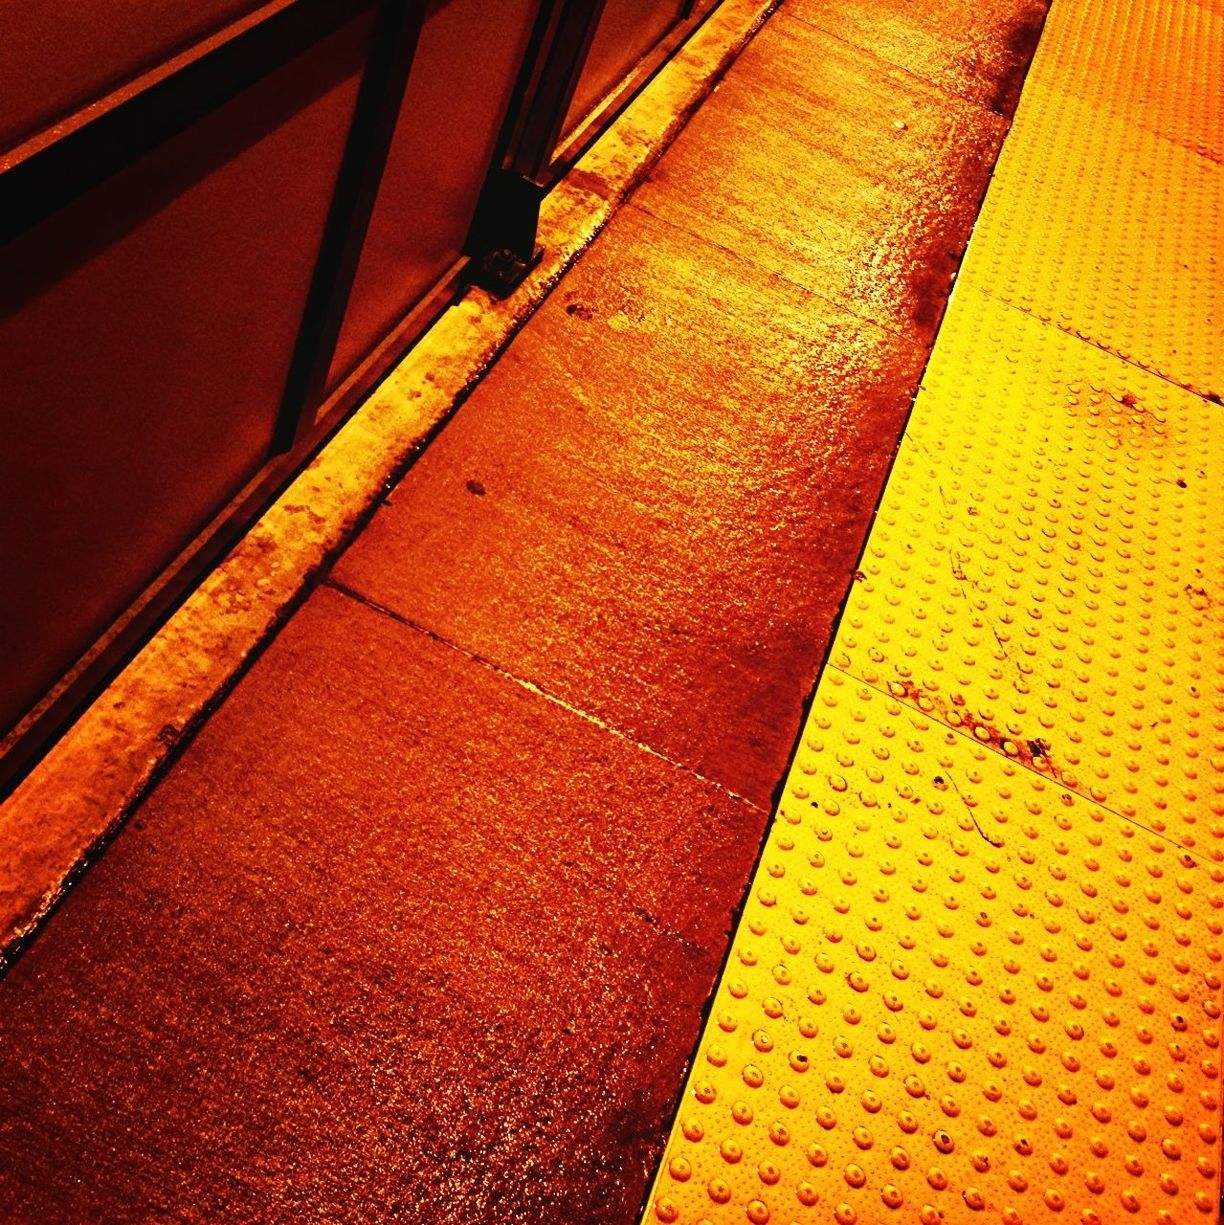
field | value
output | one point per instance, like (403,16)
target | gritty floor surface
(977,976)
(423,921)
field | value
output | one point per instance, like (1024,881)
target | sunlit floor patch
(978,973)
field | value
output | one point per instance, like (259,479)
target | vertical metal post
(397,28)
(502,241)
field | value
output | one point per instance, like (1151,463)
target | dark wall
(211,215)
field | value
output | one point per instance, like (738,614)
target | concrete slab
(978,52)
(653,504)
(835,170)
(397,937)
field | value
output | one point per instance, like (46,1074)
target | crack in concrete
(996,843)
(1019,761)
(1101,346)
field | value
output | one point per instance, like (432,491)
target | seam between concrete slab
(64,812)
(532,687)
(1216,159)
(1099,345)
(1074,789)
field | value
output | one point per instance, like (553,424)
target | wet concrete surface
(826,165)
(978,52)
(421,924)
(674,463)
(388,930)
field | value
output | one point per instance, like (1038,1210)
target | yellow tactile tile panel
(1044,573)
(978,974)
(1117,54)
(1116,239)
(1094,222)
(959,992)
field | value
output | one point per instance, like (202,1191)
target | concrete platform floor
(423,922)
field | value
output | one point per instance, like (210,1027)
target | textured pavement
(423,921)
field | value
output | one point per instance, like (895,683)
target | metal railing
(217,234)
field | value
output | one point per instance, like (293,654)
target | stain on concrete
(1017,44)
(1034,752)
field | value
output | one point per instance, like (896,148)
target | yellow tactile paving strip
(1044,572)
(1122,250)
(1095,222)
(1133,81)
(978,975)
